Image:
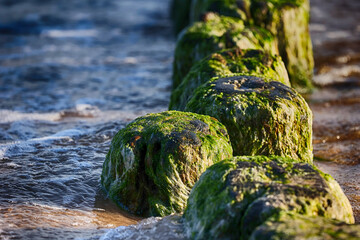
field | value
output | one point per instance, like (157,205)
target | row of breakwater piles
(72,73)
(239,70)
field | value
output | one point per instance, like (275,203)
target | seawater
(72,73)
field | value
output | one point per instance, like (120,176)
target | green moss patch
(235,196)
(288,20)
(295,226)
(180,10)
(213,34)
(263,117)
(153,162)
(226,63)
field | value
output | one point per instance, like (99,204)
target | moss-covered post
(180,14)
(153,162)
(235,196)
(233,8)
(288,20)
(263,117)
(213,34)
(296,226)
(226,63)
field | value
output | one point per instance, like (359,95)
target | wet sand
(335,31)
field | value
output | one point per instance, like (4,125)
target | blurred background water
(72,73)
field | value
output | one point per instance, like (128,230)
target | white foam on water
(29,146)
(8,116)
(76,33)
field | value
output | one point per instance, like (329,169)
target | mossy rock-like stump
(213,34)
(295,226)
(154,161)
(233,197)
(180,11)
(225,63)
(263,117)
(232,8)
(288,20)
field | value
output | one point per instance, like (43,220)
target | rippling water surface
(72,73)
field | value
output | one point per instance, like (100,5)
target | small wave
(29,146)
(169,227)
(82,110)
(7,116)
(74,33)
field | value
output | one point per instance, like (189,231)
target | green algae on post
(232,8)
(288,20)
(180,10)
(226,63)
(296,226)
(213,34)
(235,196)
(263,117)
(154,161)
